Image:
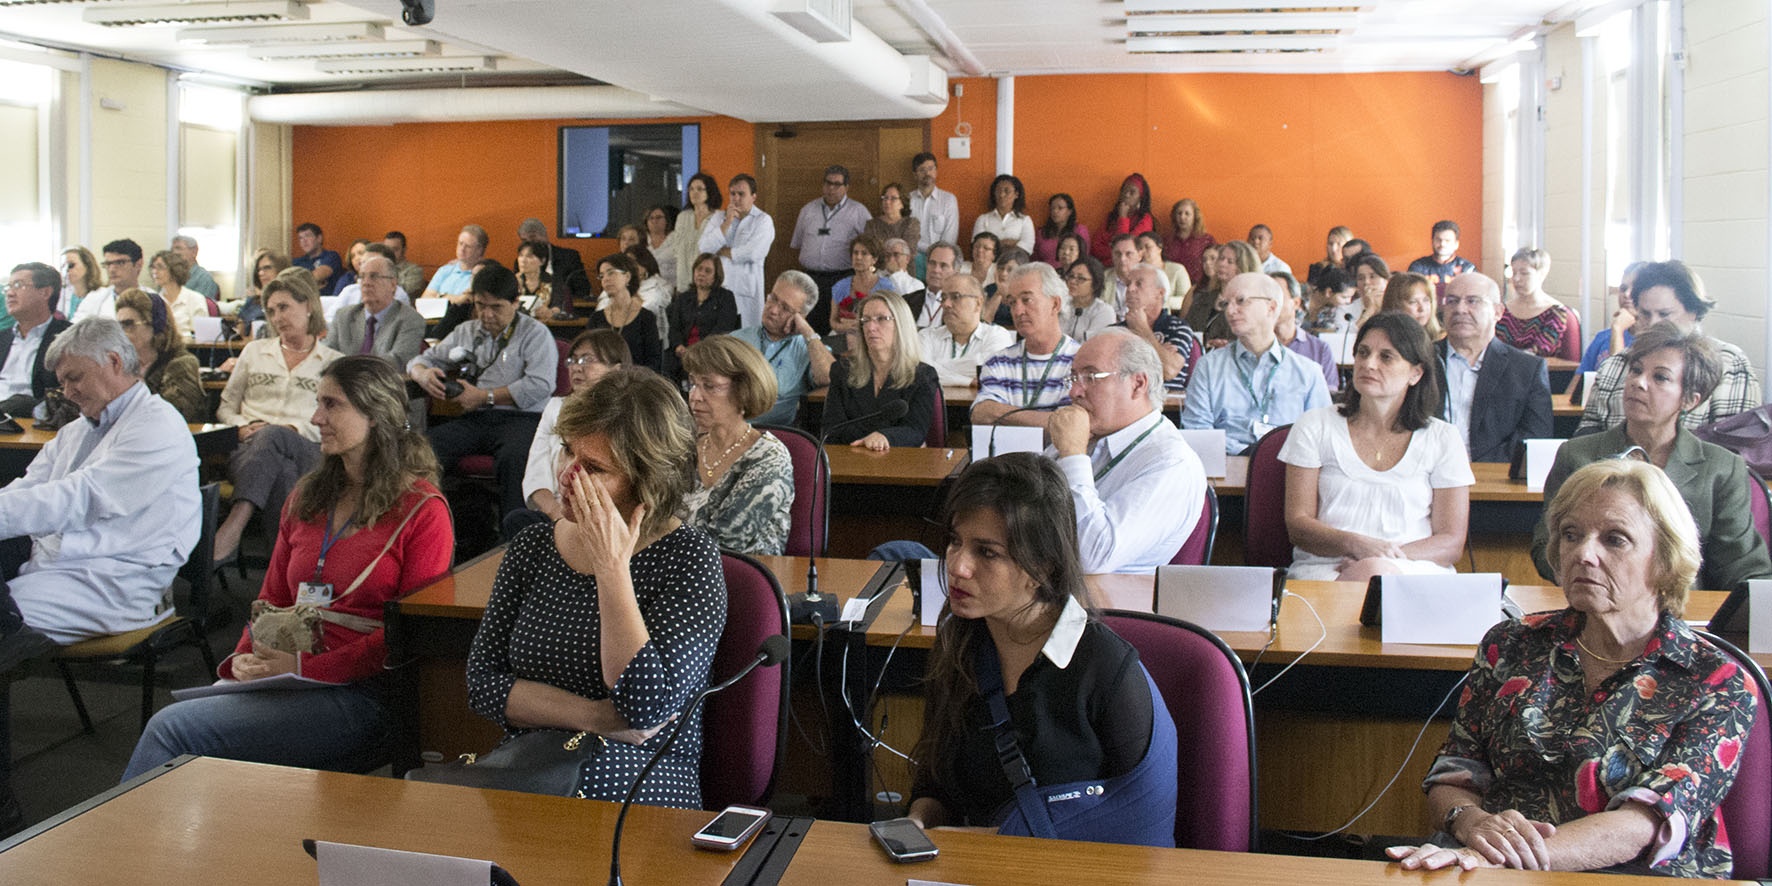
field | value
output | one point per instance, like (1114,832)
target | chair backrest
(1197,550)
(807,529)
(1207,692)
(211,307)
(199,569)
(1759,503)
(1572,343)
(745,728)
(938,422)
(562,378)
(1746,813)
(1266,541)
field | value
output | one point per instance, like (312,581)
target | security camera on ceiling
(418,12)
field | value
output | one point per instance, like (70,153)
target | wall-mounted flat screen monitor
(610,175)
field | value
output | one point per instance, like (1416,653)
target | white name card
(1541,454)
(1440,609)
(989,440)
(431,308)
(206,329)
(1209,446)
(935,591)
(329,306)
(343,864)
(1217,598)
(1759,616)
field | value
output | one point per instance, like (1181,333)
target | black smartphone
(8,426)
(903,841)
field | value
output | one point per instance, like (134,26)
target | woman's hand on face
(1508,838)
(875,442)
(598,529)
(1428,857)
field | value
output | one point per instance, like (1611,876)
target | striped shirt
(1738,391)
(1019,379)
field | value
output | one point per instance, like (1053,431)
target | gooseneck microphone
(991,450)
(803,606)
(772,652)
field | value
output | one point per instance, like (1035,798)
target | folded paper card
(431,308)
(1540,455)
(934,590)
(1445,608)
(989,440)
(1759,617)
(1219,598)
(1209,446)
(207,330)
(344,864)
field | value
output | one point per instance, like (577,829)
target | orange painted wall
(1385,154)
(429,179)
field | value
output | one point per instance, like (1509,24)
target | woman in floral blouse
(1605,734)
(745,477)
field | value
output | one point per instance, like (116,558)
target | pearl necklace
(285,346)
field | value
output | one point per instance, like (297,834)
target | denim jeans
(346,728)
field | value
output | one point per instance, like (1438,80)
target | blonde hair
(1676,534)
(299,283)
(753,382)
(1396,296)
(907,347)
(650,436)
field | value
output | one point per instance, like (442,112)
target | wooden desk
(218,821)
(211,439)
(898,466)
(1561,407)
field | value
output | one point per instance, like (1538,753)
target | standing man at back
(937,211)
(1445,263)
(741,237)
(822,234)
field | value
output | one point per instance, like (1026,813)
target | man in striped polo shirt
(1033,375)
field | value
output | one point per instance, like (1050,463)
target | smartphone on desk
(903,841)
(8,426)
(731,828)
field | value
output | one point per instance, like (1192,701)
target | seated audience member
(1016,618)
(1377,485)
(1188,241)
(1008,220)
(895,221)
(1618,337)
(378,323)
(606,621)
(1018,382)
(1071,249)
(983,266)
(941,273)
(995,307)
(1670,371)
(961,342)
(1254,384)
(353,258)
(1088,312)
(896,267)
(1351,250)
(653,291)
(311,253)
(1669,292)
(1131,214)
(369,526)
(1176,283)
(1123,460)
(1173,340)
(1533,321)
(1124,251)
(123,269)
(1334,310)
(514,363)
(270,398)
(170,273)
(887,366)
(1234,257)
(744,477)
(352,294)
(628,236)
(623,311)
(25,375)
(1495,394)
(705,308)
(594,354)
(79,278)
(1061,222)
(1289,333)
(185,247)
(454,279)
(534,282)
(562,266)
(250,307)
(865,280)
(1261,239)
(1413,294)
(1605,734)
(1371,277)
(170,371)
(1333,257)
(1444,263)
(790,345)
(412,277)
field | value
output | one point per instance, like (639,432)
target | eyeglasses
(1085,377)
(19,285)
(380,277)
(710,387)
(128,325)
(492,307)
(835,184)
(876,321)
(586,360)
(1470,301)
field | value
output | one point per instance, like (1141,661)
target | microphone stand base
(801,609)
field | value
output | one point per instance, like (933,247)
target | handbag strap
(364,575)
(989,671)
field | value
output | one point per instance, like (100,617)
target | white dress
(1395,505)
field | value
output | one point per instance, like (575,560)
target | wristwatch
(491,400)
(1452,817)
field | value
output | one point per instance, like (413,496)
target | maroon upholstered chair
(1266,541)
(1570,347)
(807,529)
(562,378)
(938,423)
(1207,692)
(745,728)
(1760,505)
(1747,812)
(1197,550)
(482,467)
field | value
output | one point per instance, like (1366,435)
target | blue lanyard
(328,539)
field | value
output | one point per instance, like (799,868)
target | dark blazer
(567,268)
(1512,401)
(1714,483)
(41,378)
(400,339)
(914,301)
(844,402)
(716,316)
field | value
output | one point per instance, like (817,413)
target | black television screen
(610,175)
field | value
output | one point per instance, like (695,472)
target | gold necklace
(1599,657)
(708,467)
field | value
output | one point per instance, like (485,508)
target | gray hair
(1051,285)
(186,239)
(799,280)
(949,246)
(899,241)
(94,338)
(1137,357)
(532,226)
(965,286)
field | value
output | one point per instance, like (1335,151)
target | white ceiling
(690,53)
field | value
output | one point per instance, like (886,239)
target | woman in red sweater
(1131,215)
(365,527)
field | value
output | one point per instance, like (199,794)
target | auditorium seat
(1197,550)
(1266,541)
(1746,813)
(807,528)
(745,728)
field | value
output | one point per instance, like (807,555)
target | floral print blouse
(1666,731)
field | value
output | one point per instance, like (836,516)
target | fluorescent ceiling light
(1246,7)
(1234,43)
(314,32)
(382,49)
(1195,23)
(427,65)
(121,15)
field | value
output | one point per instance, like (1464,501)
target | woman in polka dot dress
(606,621)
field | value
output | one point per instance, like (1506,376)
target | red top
(1103,247)
(421,554)
(1189,252)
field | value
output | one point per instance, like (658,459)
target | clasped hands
(1502,839)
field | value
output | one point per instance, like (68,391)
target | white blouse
(263,388)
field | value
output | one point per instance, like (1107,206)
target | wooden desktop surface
(218,821)
(898,466)
(208,436)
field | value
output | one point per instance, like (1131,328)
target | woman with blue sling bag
(1040,721)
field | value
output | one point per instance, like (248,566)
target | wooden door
(791,159)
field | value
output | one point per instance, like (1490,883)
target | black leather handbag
(541,761)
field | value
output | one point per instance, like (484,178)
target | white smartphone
(731,828)
(903,840)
